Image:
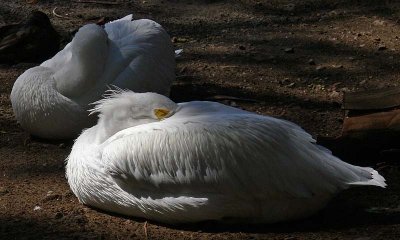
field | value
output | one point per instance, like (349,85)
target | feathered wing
(243,157)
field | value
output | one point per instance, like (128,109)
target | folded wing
(231,155)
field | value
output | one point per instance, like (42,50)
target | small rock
(320,68)
(50,196)
(319,87)
(61,145)
(311,61)
(174,39)
(337,66)
(290,85)
(233,104)
(382,47)
(332,13)
(363,82)
(37,208)
(3,191)
(334,94)
(128,221)
(182,40)
(289,50)
(362,45)
(345,89)
(378,22)
(284,81)
(377,39)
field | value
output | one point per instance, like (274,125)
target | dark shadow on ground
(350,209)
(183,92)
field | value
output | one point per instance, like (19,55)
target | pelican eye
(161,113)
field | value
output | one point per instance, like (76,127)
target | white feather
(205,161)
(51,100)
(178,53)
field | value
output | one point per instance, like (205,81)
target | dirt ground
(295,58)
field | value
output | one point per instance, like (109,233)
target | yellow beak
(161,113)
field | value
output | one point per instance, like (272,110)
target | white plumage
(178,163)
(51,100)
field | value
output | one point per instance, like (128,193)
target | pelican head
(121,109)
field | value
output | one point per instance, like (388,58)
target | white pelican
(179,163)
(51,100)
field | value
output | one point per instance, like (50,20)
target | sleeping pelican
(51,100)
(179,163)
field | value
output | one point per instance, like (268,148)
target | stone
(289,50)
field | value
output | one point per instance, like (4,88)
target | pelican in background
(51,100)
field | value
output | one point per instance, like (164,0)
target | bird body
(34,40)
(203,161)
(51,100)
